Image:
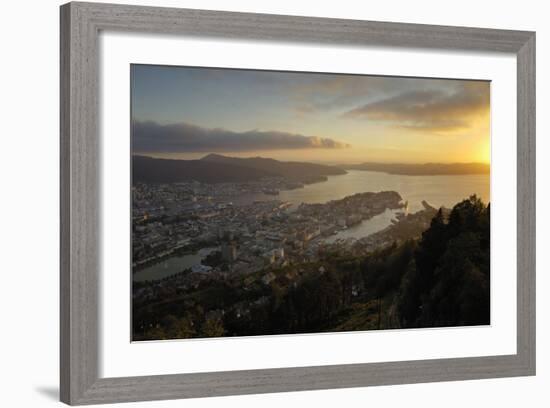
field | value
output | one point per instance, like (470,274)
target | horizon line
(152,156)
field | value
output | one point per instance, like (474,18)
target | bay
(436,190)
(171,266)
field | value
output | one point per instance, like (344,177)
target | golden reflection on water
(436,190)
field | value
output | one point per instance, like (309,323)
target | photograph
(275,204)
(271,202)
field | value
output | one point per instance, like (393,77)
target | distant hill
(299,171)
(215,168)
(428,169)
(149,170)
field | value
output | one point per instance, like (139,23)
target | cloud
(333,92)
(429,109)
(149,137)
(343,92)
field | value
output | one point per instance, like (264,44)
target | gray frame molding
(80,26)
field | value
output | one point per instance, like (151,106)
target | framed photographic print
(260,203)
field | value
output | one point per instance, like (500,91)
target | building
(229,251)
(279,253)
(199,268)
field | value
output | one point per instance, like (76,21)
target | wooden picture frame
(81,24)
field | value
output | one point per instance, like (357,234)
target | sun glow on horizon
(186,113)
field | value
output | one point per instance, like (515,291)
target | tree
(155,333)
(183,329)
(449,284)
(212,327)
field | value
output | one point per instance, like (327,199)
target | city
(247,244)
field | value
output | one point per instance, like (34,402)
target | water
(365,228)
(439,191)
(172,265)
(436,190)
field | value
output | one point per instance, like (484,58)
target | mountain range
(215,168)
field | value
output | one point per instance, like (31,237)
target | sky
(188,112)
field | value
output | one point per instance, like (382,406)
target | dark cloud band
(429,109)
(183,137)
